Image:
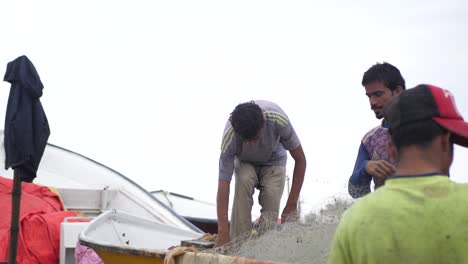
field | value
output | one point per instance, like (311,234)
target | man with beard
(382,82)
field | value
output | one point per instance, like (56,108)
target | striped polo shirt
(277,136)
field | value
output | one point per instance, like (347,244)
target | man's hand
(380,168)
(222,239)
(289,214)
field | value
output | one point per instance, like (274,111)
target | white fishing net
(306,241)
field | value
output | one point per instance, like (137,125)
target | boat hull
(118,237)
(123,258)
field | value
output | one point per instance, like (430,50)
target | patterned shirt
(373,147)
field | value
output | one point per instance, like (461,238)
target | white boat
(118,237)
(92,188)
(200,213)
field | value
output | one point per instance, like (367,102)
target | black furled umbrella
(26,134)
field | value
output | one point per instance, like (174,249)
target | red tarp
(41,213)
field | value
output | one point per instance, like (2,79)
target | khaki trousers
(269,180)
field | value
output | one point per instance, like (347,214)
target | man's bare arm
(290,210)
(222,204)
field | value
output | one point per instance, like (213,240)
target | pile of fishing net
(306,241)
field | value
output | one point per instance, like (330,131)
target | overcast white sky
(145,87)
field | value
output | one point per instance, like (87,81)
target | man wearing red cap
(419,215)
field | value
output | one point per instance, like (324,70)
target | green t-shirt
(417,219)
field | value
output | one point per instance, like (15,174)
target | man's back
(276,136)
(416,219)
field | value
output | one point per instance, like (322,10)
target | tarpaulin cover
(41,213)
(26,125)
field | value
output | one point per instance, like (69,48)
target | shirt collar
(385,123)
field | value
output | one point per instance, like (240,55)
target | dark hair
(247,120)
(385,73)
(420,133)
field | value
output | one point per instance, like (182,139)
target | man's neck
(417,162)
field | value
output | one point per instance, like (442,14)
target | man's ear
(398,90)
(392,151)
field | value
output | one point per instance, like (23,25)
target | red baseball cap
(425,102)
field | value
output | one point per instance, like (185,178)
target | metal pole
(15,212)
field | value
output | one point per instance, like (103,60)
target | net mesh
(358,191)
(306,241)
